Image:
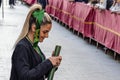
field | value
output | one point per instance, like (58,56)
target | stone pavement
(81,61)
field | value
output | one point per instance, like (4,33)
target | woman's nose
(46,36)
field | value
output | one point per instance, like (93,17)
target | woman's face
(44,31)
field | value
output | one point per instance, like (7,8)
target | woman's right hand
(55,60)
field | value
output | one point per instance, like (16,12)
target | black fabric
(0,2)
(86,1)
(27,64)
(11,2)
(43,3)
(109,4)
(78,0)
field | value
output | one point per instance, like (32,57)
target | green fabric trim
(38,14)
(36,37)
(37,49)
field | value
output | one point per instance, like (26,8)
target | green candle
(56,53)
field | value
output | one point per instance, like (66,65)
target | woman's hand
(55,60)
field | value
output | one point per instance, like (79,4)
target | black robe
(27,64)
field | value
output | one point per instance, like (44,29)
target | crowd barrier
(102,26)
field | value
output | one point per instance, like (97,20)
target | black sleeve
(20,61)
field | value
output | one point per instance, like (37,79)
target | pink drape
(102,26)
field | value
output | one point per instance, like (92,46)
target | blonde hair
(25,29)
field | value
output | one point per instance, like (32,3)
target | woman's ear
(33,27)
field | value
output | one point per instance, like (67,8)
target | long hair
(26,26)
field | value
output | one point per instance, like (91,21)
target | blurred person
(109,4)
(92,3)
(86,1)
(116,6)
(28,60)
(102,4)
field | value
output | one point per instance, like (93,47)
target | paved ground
(81,61)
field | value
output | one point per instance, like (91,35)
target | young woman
(28,61)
